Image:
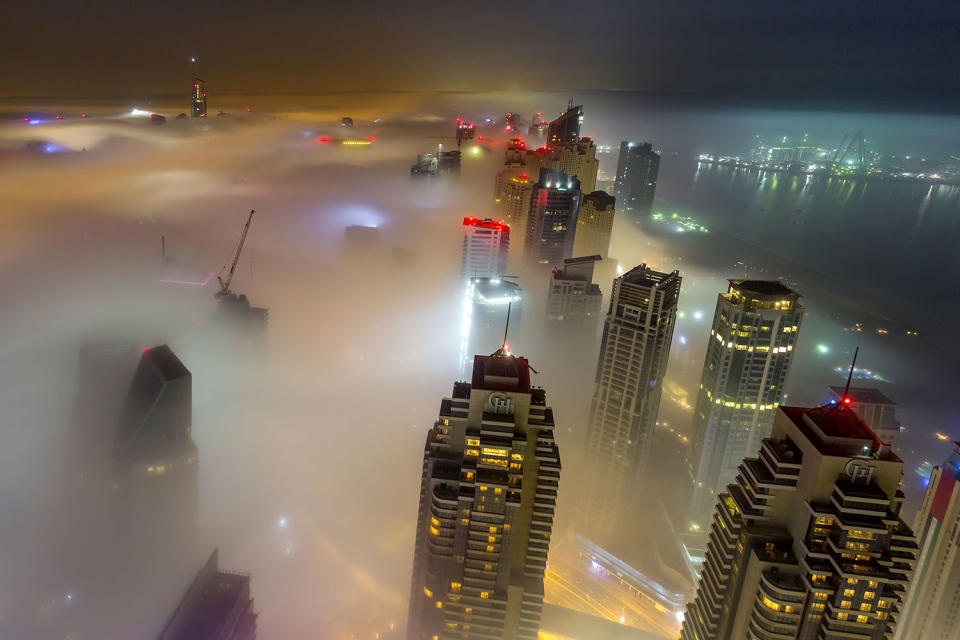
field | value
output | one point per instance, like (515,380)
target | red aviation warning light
(847,401)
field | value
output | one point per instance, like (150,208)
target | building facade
(491,470)
(552,220)
(808,544)
(485,246)
(751,347)
(573,297)
(594,224)
(636,181)
(637,334)
(198,99)
(577,159)
(932,610)
(874,408)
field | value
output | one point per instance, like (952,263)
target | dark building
(636,181)
(198,99)
(154,457)
(552,221)
(217,606)
(566,128)
(491,470)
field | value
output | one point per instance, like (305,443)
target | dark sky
(878,53)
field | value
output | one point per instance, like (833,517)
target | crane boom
(225,286)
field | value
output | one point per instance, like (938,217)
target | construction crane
(225,285)
(835,162)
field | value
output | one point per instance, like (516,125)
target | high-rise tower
(488,492)
(808,544)
(485,246)
(749,353)
(636,181)
(552,221)
(198,98)
(637,334)
(154,456)
(573,297)
(932,608)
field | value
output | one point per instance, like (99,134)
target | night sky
(877,53)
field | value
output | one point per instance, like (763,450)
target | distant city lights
(822,348)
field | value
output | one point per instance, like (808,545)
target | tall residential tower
(636,181)
(488,492)
(637,334)
(809,543)
(932,609)
(485,246)
(552,220)
(749,353)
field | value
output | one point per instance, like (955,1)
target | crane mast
(225,286)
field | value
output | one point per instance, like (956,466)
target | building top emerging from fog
(809,542)
(485,246)
(566,128)
(156,418)
(217,606)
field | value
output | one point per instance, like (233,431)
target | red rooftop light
(847,400)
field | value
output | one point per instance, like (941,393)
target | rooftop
(494,291)
(486,223)
(166,363)
(863,395)
(837,430)
(763,288)
(645,276)
(501,371)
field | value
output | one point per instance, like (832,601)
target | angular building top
(566,128)
(217,605)
(156,418)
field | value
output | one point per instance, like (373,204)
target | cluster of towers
(794,518)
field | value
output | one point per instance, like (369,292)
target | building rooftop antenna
(846,400)
(504,346)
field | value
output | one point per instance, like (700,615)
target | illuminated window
(493,529)
(427,592)
(487,567)
(498,491)
(862,619)
(506,527)
(489,548)
(844,604)
(465,520)
(851,581)
(873,584)
(434,521)
(865,606)
(849,593)
(883,604)
(842,616)
(817,606)
(468,610)
(483,488)
(769,603)
(819,596)
(881,615)
(484,594)
(455,586)
(473,442)
(439,605)
(491,538)
(471,452)
(869,595)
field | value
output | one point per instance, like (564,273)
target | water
(897,241)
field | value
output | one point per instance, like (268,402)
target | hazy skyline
(881,55)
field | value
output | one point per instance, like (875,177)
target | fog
(309,437)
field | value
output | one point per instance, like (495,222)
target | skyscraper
(749,353)
(808,544)
(874,408)
(566,128)
(932,608)
(594,224)
(636,181)
(577,159)
(485,246)
(154,457)
(491,469)
(573,297)
(637,334)
(198,99)
(217,605)
(552,221)
(513,200)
